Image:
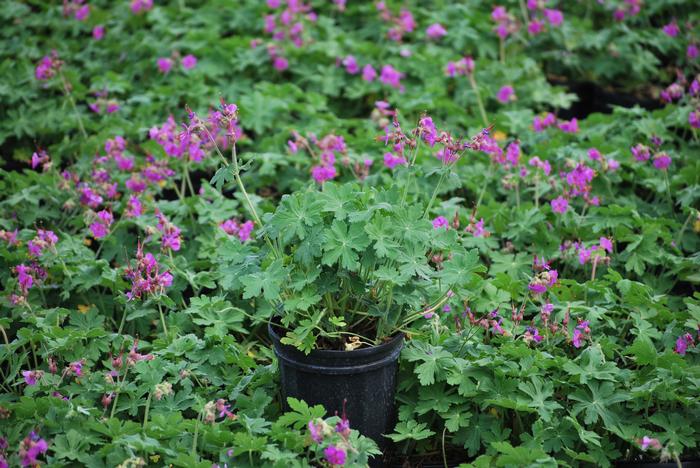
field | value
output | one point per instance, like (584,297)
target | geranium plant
(349,265)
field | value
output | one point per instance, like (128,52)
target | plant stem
(121,324)
(435,191)
(444,456)
(682,231)
(523,10)
(196,434)
(162,320)
(410,171)
(668,189)
(148,407)
(118,391)
(251,208)
(483,188)
(475,88)
(69,96)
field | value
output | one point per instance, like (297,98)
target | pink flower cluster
(506,94)
(288,24)
(165,64)
(582,333)
(26,276)
(599,252)
(31,448)
(234,228)
(477,228)
(441,222)
(435,31)
(388,74)
(464,67)
(41,159)
(606,164)
(170,234)
(402,23)
(103,104)
(145,276)
(43,240)
(78,8)
(544,279)
(100,227)
(48,66)
(535,161)
(577,184)
(642,153)
(646,442)
(9,236)
(541,16)
(683,342)
(98,32)
(329,148)
(334,455)
(141,6)
(540,123)
(505,22)
(134,208)
(628,8)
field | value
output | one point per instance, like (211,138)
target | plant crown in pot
(351,265)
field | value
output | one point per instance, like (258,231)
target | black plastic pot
(643,464)
(365,378)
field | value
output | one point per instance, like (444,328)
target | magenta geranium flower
(164,65)
(694,118)
(189,62)
(555,17)
(140,6)
(323,173)
(368,73)
(82,13)
(594,154)
(499,14)
(671,29)
(569,127)
(505,94)
(560,205)
(32,377)
(334,455)
(441,222)
(280,63)
(662,160)
(350,64)
(683,342)
(692,51)
(641,152)
(435,31)
(315,432)
(31,448)
(391,77)
(535,27)
(647,442)
(606,244)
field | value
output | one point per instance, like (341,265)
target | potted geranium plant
(349,267)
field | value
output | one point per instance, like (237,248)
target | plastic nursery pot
(366,378)
(651,464)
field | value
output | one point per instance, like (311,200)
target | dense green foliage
(525,209)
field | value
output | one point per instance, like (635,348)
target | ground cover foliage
(513,185)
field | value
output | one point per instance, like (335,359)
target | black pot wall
(366,378)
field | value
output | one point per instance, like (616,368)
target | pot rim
(334,353)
